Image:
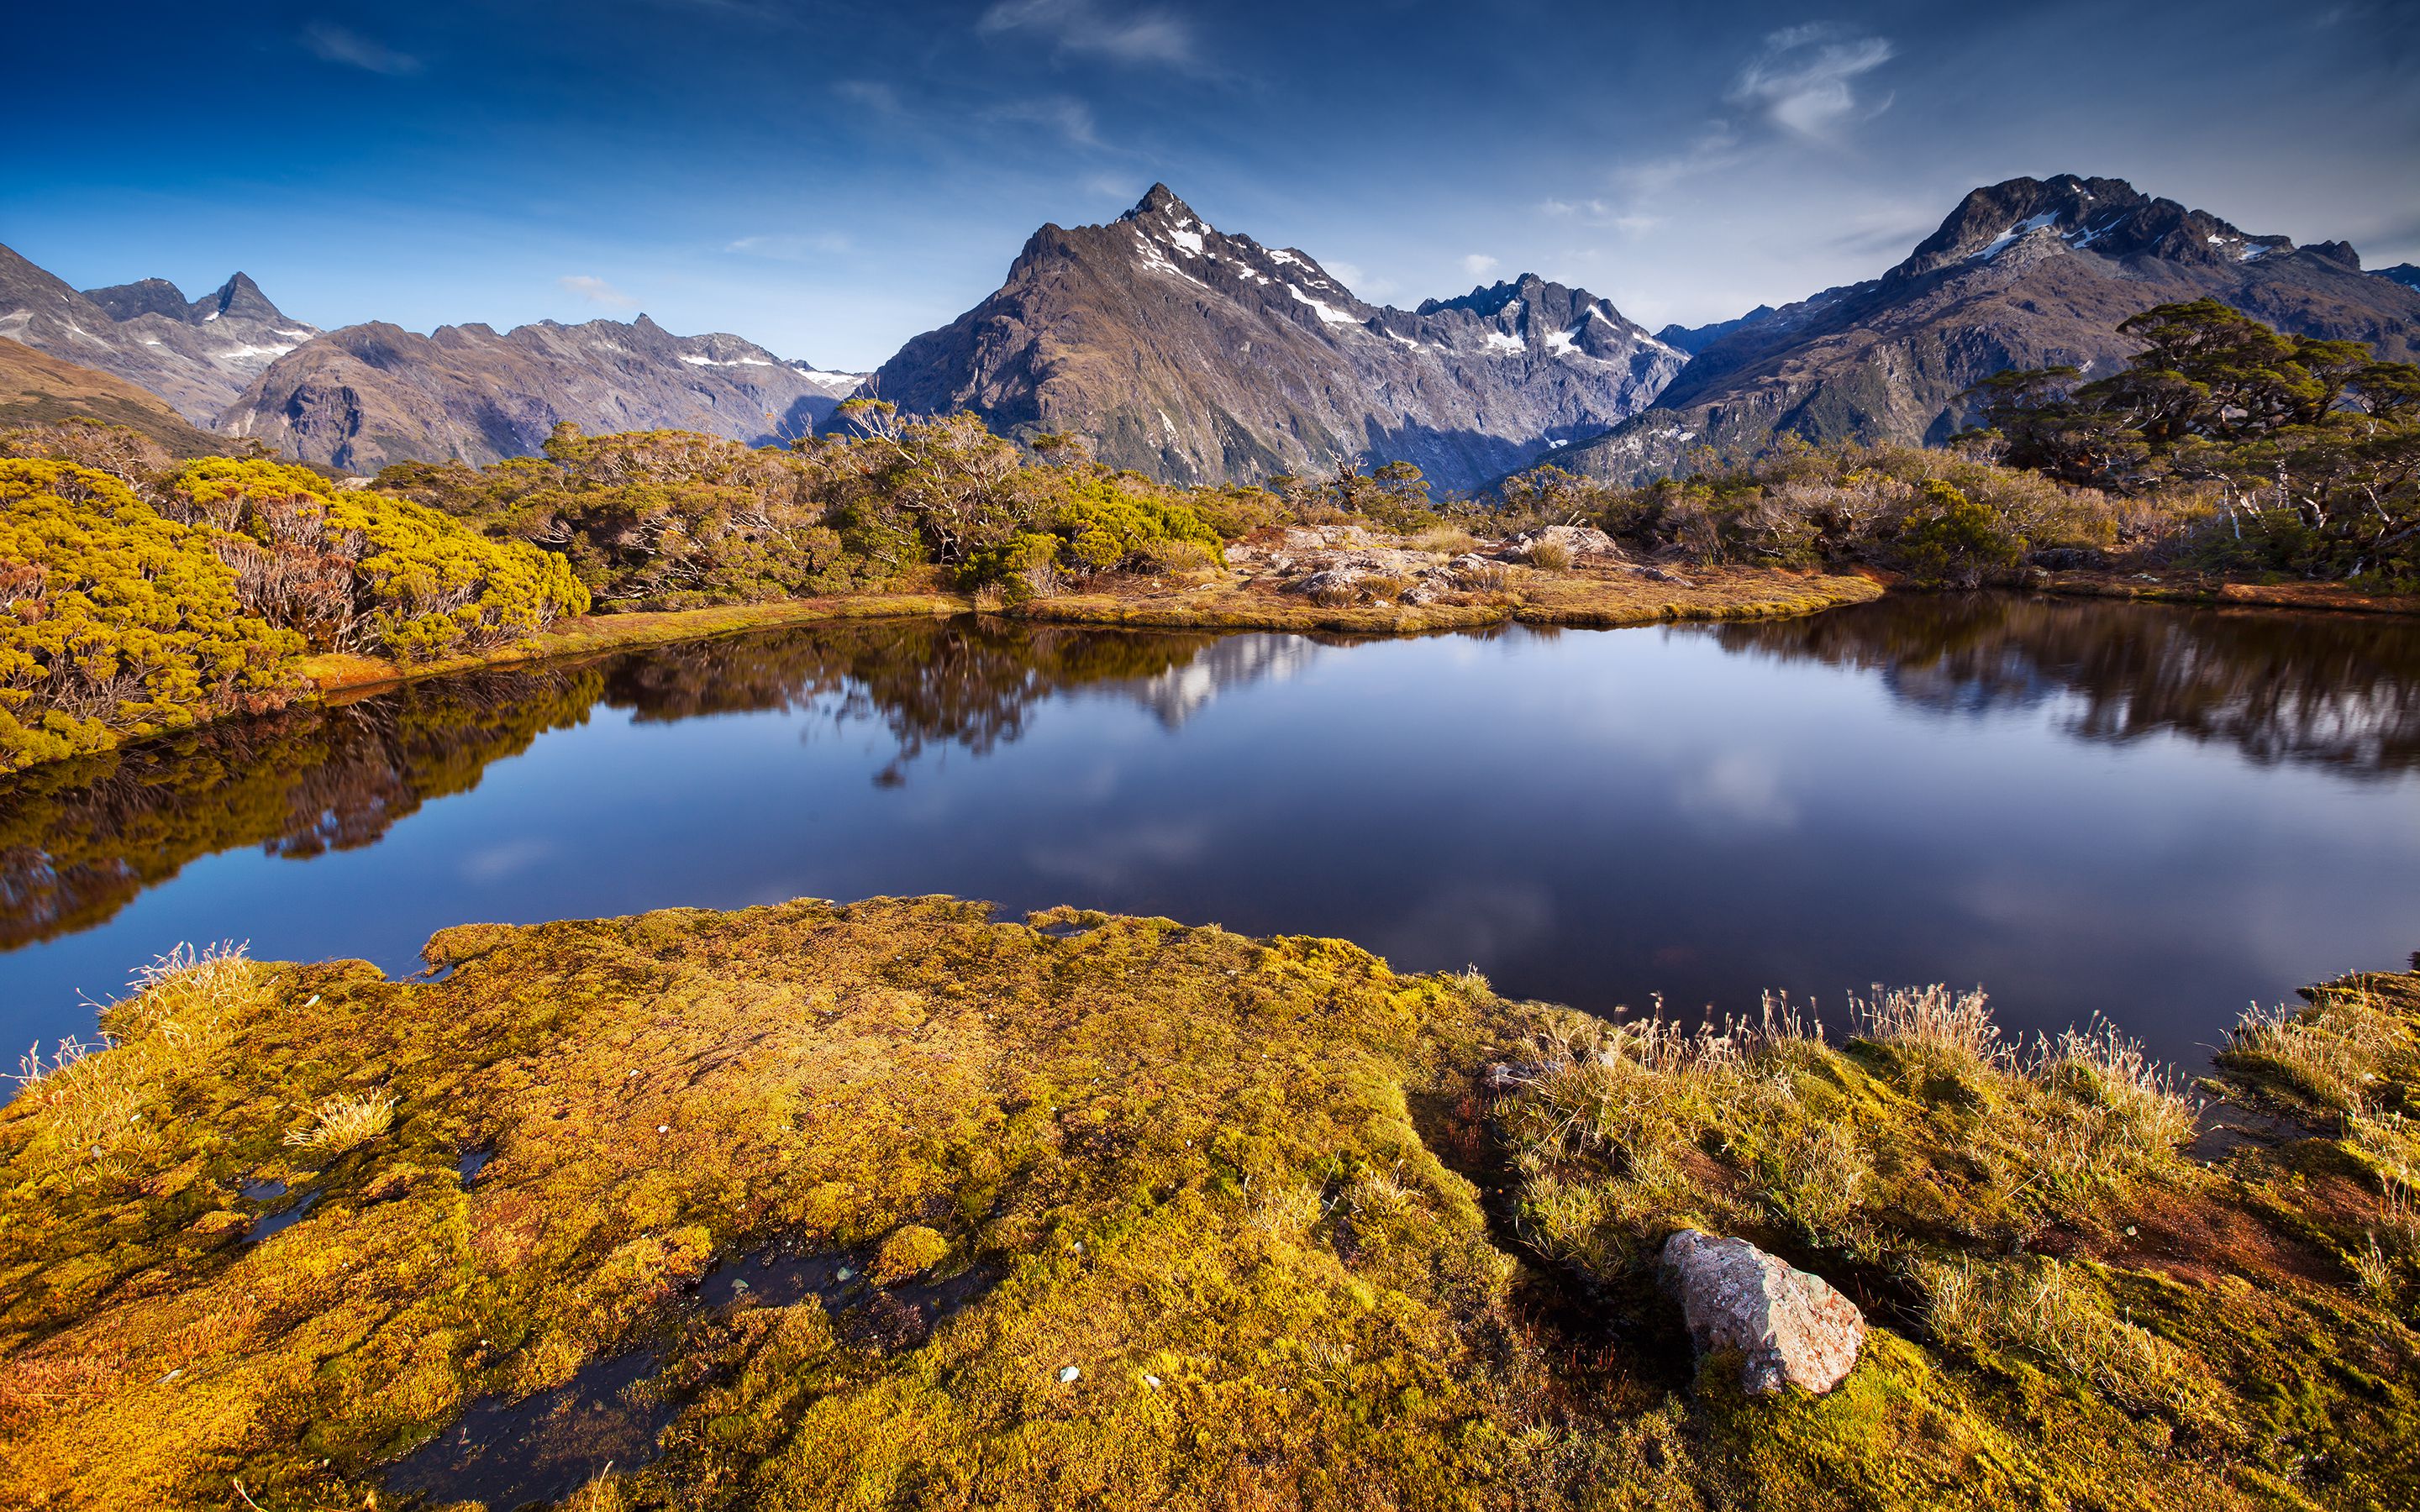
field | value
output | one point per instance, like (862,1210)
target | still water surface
(2151,814)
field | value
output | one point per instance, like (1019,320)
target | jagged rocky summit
(2025,273)
(1197,355)
(197,354)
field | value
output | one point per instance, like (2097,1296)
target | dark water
(2152,813)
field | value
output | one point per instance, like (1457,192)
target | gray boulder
(1791,1327)
(1578,541)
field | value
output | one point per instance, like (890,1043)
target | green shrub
(115,623)
(1952,540)
(1106,526)
(357,570)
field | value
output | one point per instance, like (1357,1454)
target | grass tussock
(343,1123)
(2337,1053)
(95,1102)
(1550,556)
(2047,1309)
(1928,1127)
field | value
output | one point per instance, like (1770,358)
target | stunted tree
(2314,446)
(962,488)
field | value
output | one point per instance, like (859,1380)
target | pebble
(1068,1374)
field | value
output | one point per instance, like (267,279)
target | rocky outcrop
(2026,273)
(197,354)
(1198,356)
(369,395)
(1788,1327)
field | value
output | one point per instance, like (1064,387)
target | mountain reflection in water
(80,839)
(2146,811)
(2336,690)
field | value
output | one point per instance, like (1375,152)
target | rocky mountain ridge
(366,395)
(1200,356)
(2025,273)
(197,354)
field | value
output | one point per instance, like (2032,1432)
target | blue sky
(830,179)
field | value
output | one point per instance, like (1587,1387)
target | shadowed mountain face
(2026,273)
(369,395)
(1198,356)
(2339,691)
(197,354)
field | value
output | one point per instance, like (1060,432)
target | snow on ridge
(1157,260)
(1187,237)
(1562,345)
(1281,255)
(2001,243)
(1325,311)
(1499,341)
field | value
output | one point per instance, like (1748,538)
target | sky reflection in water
(2149,813)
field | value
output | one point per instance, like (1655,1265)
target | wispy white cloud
(871,94)
(1146,35)
(332,43)
(791,248)
(596,291)
(1358,279)
(1071,119)
(1479,265)
(1597,212)
(1805,79)
(1714,149)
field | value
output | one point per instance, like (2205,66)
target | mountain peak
(239,299)
(2107,216)
(149,296)
(1161,201)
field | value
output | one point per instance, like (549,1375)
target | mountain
(197,354)
(2406,274)
(2026,273)
(366,395)
(1695,339)
(1198,356)
(37,388)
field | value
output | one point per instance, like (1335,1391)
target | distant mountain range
(2026,273)
(1197,355)
(369,395)
(198,355)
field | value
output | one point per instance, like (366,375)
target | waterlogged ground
(2151,813)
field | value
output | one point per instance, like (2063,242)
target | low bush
(118,623)
(357,570)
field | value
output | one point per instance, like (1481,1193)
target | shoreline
(1580,598)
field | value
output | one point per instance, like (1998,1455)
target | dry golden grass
(2039,1307)
(97,1102)
(343,1123)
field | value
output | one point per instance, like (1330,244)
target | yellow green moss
(1200,1220)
